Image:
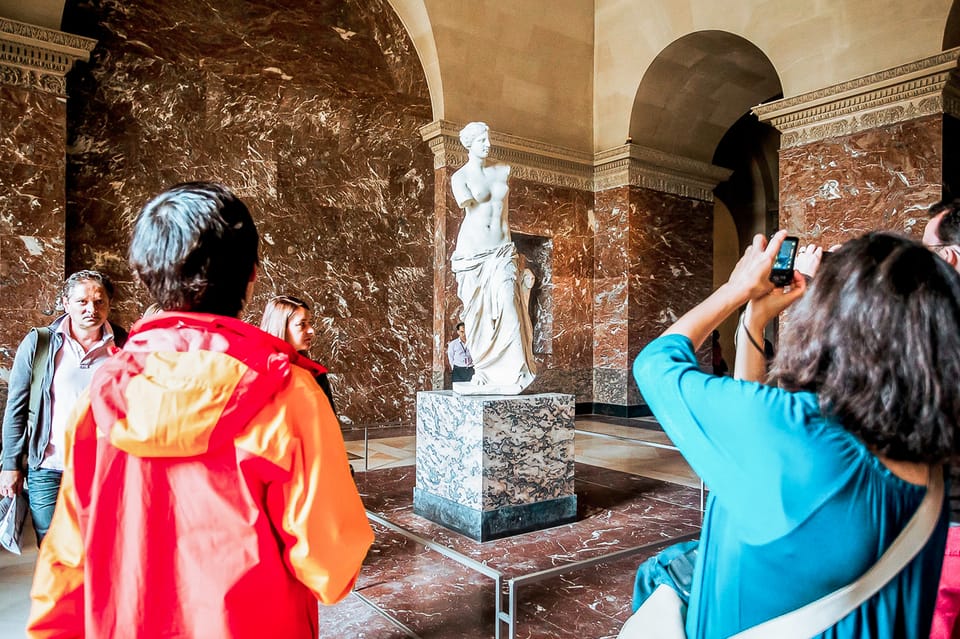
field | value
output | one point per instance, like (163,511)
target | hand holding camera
(782,272)
(764,272)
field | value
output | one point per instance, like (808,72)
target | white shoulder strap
(818,616)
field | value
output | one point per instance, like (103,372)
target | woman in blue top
(812,480)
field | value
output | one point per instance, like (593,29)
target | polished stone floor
(631,492)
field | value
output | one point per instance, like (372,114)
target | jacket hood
(186,383)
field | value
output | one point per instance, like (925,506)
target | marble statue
(494,289)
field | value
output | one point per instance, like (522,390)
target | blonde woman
(290,319)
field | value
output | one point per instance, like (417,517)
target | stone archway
(696,89)
(693,92)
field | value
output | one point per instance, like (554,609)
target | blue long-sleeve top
(798,506)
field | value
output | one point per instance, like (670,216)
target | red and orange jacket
(207,493)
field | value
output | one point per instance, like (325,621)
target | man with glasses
(942,235)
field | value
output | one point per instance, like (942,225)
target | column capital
(529,159)
(635,165)
(924,87)
(38,58)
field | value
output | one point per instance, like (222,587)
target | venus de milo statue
(494,291)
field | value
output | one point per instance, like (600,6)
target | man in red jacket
(207,491)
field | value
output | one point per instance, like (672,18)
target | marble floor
(632,491)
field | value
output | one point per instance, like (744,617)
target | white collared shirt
(458,354)
(72,371)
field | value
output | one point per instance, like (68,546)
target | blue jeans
(44,486)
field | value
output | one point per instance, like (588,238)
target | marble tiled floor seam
(437,598)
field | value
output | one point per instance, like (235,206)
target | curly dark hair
(876,338)
(86,276)
(195,248)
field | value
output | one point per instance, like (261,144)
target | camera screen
(784,261)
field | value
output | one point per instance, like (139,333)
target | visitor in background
(942,234)
(63,356)
(290,319)
(206,490)
(719,364)
(459,356)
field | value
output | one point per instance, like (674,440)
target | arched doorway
(694,102)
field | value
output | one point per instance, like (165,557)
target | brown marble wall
(32,142)
(563,296)
(611,296)
(881,179)
(311,114)
(551,229)
(671,262)
(654,261)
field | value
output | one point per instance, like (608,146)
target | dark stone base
(486,525)
(612,410)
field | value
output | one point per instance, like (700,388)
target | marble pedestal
(492,466)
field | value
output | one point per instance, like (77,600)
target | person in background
(942,235)
(720,366)
(65,354)
(813,476)
(206,490)
(290,319)
(459,356)
(153,309)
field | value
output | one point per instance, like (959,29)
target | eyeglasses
(943,249)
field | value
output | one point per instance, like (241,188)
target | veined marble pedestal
(491,466)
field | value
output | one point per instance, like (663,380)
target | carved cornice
(924,87)
(635,165)
(528,159)
(38,58)
(558,166)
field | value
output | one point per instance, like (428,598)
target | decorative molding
(635,165)
(558,166)
(528,159)
(920,88)
(38,58)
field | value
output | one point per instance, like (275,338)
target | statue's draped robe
(495,316)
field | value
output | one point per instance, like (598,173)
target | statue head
(471,132)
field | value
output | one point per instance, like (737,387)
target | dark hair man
(461,363)
(53,366)
(207,491)
(942,234)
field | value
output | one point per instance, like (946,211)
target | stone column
(549,206)
(33,139)
(869,154)
(653,259)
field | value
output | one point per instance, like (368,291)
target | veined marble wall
(32,141)
(611,296)
(872,153)
(310,112)
(563,334)
(671,263)
(654,262)
(879,179)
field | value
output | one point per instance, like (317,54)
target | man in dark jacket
(69,351)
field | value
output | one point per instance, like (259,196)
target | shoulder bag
(662,615)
